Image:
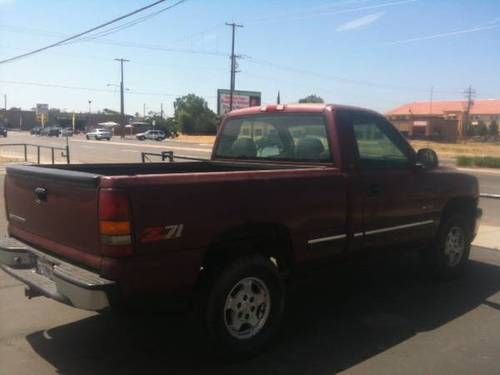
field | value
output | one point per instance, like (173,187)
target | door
(389,184)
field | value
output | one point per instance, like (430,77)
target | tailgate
(56,210)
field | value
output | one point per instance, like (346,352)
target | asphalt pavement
(368,319)
(91,151)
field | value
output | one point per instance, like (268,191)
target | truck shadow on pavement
(332,324)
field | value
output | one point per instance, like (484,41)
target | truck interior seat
(244,147)
(309,148)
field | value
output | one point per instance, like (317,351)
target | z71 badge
(167,232)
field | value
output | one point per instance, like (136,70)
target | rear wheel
(87,137)
(449,256)
(243,308)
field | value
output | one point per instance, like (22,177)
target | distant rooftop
(479,107)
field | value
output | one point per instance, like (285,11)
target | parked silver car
(99,134)
(157,135)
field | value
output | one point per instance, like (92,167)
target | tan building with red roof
(442,119)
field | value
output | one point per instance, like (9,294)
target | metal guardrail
(166,155)
(65,150)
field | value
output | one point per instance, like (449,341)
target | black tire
(214,316)
(445,263)
(87,137)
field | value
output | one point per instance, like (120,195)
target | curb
(487,195)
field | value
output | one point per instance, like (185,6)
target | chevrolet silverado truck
(286,187)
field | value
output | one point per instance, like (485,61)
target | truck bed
(133,169)
(65,222)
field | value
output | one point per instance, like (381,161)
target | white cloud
(360,22)
(3,2)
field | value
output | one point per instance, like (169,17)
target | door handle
(374,190)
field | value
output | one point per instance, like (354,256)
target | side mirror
(427,158)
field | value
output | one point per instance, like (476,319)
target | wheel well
(462,205)
(269,240)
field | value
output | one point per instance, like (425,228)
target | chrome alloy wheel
(247,308)
(454,247)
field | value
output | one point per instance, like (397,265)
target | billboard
(42,109)
(241,99)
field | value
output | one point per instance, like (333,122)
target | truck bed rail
(166,155)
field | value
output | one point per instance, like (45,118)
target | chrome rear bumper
(54,278)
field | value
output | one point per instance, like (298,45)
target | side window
(376,147)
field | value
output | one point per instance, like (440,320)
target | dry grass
(206,139)
(9,159)
(460,149)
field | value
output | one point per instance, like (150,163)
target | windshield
(276,137)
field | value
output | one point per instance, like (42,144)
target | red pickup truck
(287,186)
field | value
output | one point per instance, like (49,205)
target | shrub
(478,161)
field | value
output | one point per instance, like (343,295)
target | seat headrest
(244,147)
(309,148)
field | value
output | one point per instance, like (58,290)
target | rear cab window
(284,137)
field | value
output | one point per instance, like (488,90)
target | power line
(342,79)
(64,41)
(118,43)
(129,24)
(67,87)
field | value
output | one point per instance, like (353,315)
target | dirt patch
(205,139)
(9,159)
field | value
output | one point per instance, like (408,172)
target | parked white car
(157,135)
(99,134)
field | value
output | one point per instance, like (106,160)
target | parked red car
(287,186)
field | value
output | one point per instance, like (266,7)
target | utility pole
(144,110)
(122,100)
(469,95)
(233,65)
(5,102)
(161,111)
(430,102)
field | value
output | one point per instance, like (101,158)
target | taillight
(115,223)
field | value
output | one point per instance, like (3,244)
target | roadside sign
(241,99)
(42,109)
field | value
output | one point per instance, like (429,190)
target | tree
(193,116)
(168,125)
(312,99)
(482,129)
(493,128)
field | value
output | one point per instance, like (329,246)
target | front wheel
(449,255)
(243,308)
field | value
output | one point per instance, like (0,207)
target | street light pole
(122,100)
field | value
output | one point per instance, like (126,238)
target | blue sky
(372,53)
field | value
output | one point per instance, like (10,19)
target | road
(373,318)
(114,151)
